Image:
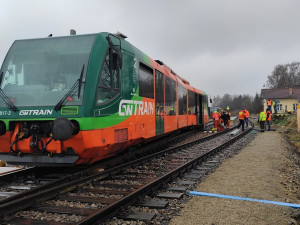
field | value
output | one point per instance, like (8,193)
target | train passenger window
(182,102)
(146,81)
(159,93)
(192,103)
(109,81)
(170,96)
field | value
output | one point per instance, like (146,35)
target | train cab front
(42,84)
(39,143)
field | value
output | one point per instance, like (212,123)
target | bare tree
(239,102)
(217,101)
(226,101)
(294,74)
(283,76)
(278,77)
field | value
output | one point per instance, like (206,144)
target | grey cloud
(206,42)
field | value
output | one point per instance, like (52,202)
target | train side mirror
(210,100)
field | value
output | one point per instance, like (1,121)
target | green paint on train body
(32,65)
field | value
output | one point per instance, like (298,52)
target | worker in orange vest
(247,114)
(220,117)
(268,119)
(215,117)
(241,119)
(269,104)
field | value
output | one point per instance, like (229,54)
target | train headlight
(2,128)
(62,129)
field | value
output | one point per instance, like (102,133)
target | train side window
(146,81)
(192,103)
(170,96)
(182,102)
(109,80)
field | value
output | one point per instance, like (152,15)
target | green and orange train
(82,98)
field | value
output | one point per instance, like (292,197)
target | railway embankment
(268,168)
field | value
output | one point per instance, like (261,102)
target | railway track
(99,196)
(22,182)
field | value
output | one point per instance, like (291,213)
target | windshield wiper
(1,77)
(5,98)
(80,81)
(71,92)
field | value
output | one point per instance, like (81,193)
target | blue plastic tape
(246,199)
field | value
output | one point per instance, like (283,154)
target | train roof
(158,64)
(127,46)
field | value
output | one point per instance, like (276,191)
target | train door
(199,110)
(159,102)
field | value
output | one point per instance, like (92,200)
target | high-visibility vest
(215,116)
(241,115)
(269,102)
(247,114)
(269,115)
(262,116)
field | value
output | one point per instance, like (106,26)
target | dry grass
(288,126)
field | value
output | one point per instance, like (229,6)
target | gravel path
(256,172)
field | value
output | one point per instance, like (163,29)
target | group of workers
(265,119)
(271,103)
(243,119)
(221,119)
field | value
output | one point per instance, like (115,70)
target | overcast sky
(219,46)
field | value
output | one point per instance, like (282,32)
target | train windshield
(41,72)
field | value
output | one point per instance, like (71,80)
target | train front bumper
(41,160)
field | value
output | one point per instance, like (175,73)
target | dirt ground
(262,170)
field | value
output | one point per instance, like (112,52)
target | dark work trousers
(269,125)
(262,125)
(225,123)
(242,123)
(246,121)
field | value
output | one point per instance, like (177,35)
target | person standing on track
(215,117)
(268,119)
(241,119)
(275,105)
(225,117)
(262,120)
(246,116)
(229,115)
(269,104)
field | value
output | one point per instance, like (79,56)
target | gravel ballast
(258,171)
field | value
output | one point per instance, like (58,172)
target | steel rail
(109,211)
(160,144)
(43,195)
(18,172)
